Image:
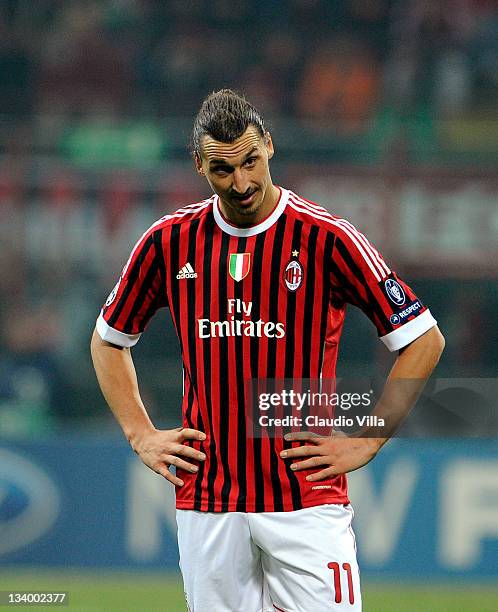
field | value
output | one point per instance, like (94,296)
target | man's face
(239,173)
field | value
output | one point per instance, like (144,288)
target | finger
(337,433)
(308,436)
(300,451)
(307,464)
(180,463)
(163,470)
(191,434)
(188,451)
(322,474)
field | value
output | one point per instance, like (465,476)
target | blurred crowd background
(156,58)
(385,111)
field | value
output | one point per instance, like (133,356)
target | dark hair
(225,116)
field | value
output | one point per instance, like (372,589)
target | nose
(240,181)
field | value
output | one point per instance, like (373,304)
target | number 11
(335,567)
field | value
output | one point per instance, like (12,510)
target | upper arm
(97,342)
(138,294)
(432,339)
(360,276)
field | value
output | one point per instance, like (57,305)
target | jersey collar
(233,230)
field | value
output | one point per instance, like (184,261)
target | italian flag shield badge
(239,265)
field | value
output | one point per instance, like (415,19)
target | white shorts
(301,561)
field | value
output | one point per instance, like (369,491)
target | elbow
(95,342)
(430,345)
(436,344)
(440,341)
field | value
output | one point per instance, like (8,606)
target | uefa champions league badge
(114,292)
(395,292)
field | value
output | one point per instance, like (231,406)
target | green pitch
(120,592)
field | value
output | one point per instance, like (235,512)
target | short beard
(246,212)
(249,211)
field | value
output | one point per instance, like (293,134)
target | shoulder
(350,244)
(156,235)
(347,239)
(314,214)
(185,214)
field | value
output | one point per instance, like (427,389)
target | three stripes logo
(186,272)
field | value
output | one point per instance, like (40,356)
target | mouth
(246,199)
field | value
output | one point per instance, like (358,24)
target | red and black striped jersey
(267,301)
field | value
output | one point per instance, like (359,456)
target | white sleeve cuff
(409,332)
(109,334)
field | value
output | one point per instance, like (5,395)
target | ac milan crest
(293,275)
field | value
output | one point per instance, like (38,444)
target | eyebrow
(224,161)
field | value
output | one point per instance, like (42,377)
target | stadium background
(387,112)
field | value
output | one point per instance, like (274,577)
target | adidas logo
(186,272)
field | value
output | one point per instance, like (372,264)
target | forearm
(404,384)
(118,381)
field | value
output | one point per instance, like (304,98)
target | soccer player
(257,280)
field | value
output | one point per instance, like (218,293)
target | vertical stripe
(241,404)
(280,295)
(290,317)
(174,266)
(266,296)
(223,369)
(327,258)
(199,246)
(259,500)
(317,331)
(290,351)
(158,245)
(300,323)
(272,350)
(309,301)
(233,363)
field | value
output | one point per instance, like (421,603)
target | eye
(250,161)
(221,170)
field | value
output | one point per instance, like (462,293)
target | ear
(198,164)
(269,145)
